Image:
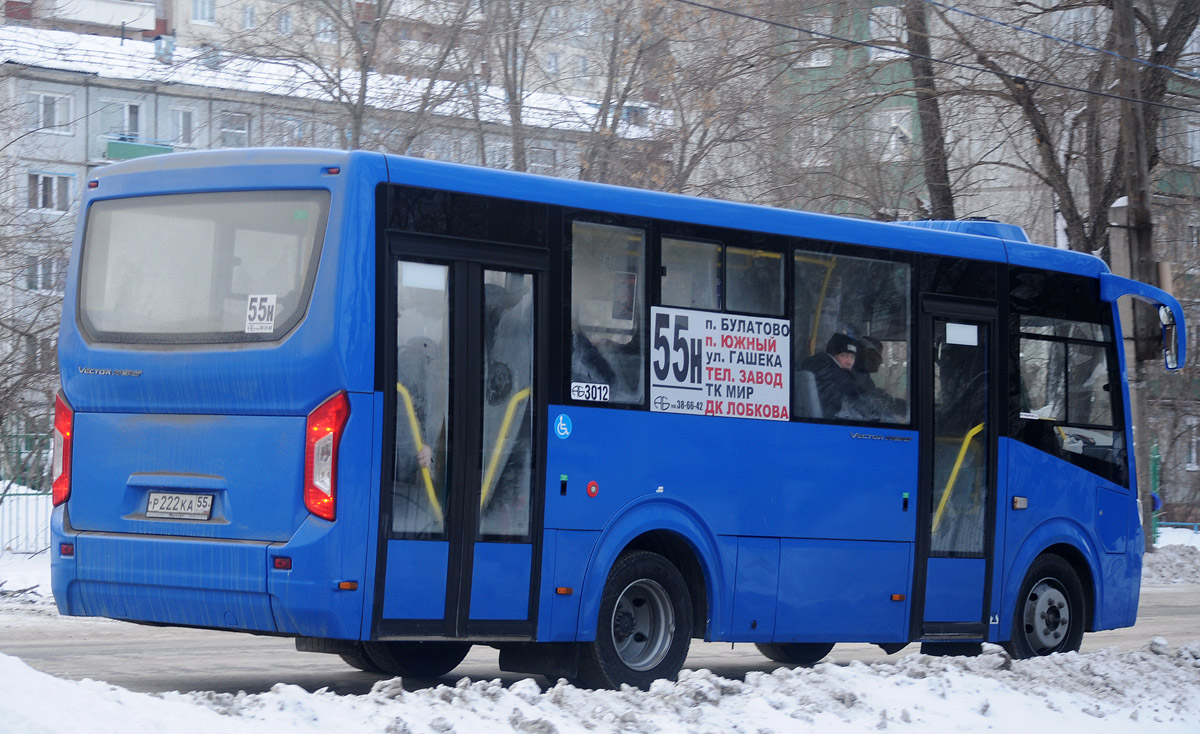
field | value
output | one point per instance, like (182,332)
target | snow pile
(1171,564)
(1175,560)
(25,585)
(1153,689)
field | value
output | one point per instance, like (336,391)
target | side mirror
(1170,345)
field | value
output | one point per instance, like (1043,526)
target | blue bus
(394,408)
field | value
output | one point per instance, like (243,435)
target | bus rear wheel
(795,653)
(416,659)
(358,659)
(644,626)
(1050,612)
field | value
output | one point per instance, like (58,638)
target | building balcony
(128,147)
(108,13)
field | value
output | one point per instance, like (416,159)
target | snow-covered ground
(1156,688)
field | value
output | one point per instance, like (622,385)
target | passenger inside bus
(877,403)
(833,370)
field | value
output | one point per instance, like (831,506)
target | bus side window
(608,344)
(866,301)
(755,281)
(691,274)
(1066,401)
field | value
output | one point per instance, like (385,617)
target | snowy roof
(114,58)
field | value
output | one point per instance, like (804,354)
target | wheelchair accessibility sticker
(562,426)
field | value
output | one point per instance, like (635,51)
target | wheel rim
(1047,616)
(643,623)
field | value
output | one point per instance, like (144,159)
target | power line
(945,62)
(1069,42)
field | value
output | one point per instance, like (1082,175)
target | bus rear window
(200,268)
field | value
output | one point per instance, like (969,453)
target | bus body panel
(204,583)
(952,589)
(307,599)
(415,586)
(228,419)
(221,456)
(500,581)
(711,212)
(843,591)
(652,513)
(1055,516)
(756,588)
(565,556)
(790,479)
(256,378)
(231,582)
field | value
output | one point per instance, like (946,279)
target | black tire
(644,625)
(1051,610)
(795,653)
(358,659)
(416,659)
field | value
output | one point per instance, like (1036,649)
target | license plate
(179,505)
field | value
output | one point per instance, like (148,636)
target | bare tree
(344,47)
(1051,89)
(35,229)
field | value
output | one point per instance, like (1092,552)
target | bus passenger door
(958,473)
(461,464)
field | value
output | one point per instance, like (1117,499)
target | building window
(326,32)
(552,64)
(121,120)
(285,23)
(542,160)
(885,27)
(247,17)
(235,130)
(51,113)
(181,128)
(45,273)
(204,11)
(1192,464)
(293,131)
(893,133)
(815,45)
(39,354)
(583,65)
(1191,146)
(49,191)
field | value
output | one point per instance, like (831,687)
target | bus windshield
(200,268)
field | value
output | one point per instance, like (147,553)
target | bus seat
(808,401)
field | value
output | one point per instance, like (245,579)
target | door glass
(422,401)
(960,466)
(507,470)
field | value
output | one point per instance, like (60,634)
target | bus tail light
(64,436)
(323,435)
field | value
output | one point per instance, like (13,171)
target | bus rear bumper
(196,582)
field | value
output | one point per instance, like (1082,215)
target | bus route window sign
(705,363)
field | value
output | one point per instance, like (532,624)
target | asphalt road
(155,659)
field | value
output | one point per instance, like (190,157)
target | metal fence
(24,521)
(25,461)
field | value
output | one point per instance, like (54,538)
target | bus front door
(958,473)
(461,461)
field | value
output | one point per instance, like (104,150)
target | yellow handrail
(415,425)
(962,454)
(489,478)
(829,264)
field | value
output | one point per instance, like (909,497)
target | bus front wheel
(795,653)
(644,625)
(1050,612)
(416,659)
